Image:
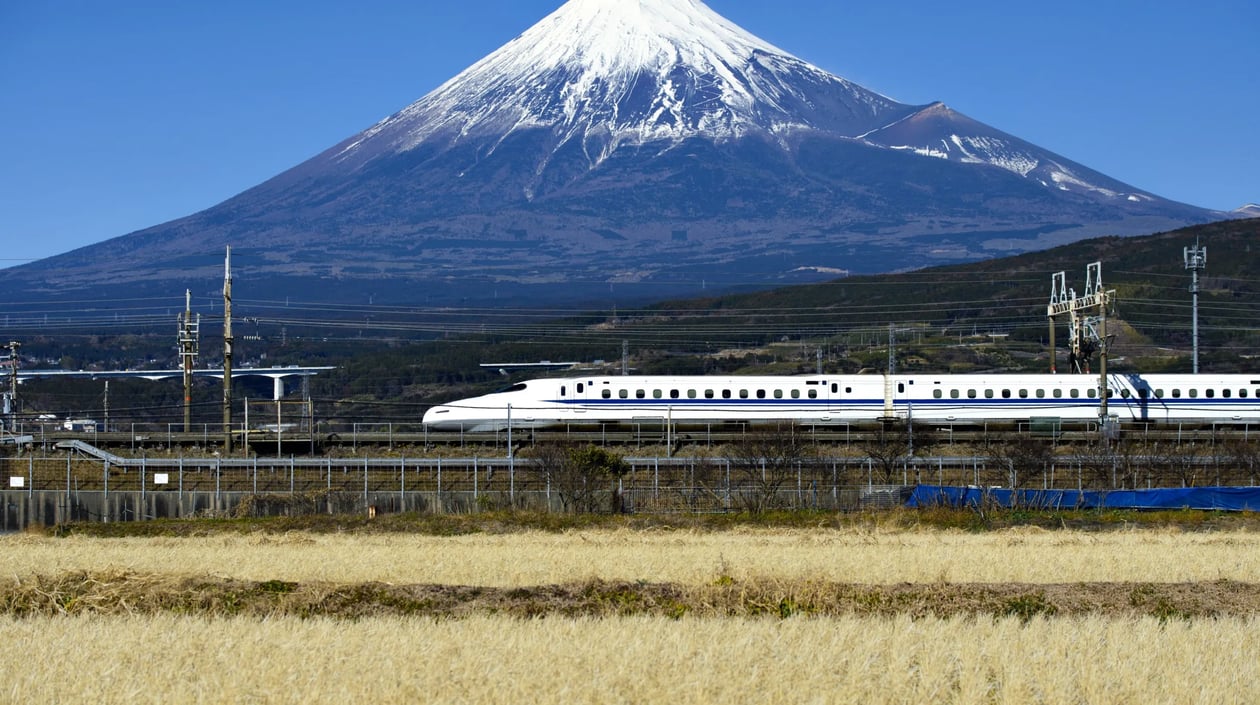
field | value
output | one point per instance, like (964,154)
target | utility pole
(11,405)
(625,358)
(892,356)
(189,339)
(1196,260)
(227,353)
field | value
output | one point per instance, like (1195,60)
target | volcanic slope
(623,150)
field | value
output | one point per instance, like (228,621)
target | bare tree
(894,444)
(764,460)
(1183,461)
(1245,457)
(1025,460)
(579,474)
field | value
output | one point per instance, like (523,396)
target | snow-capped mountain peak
(633,71)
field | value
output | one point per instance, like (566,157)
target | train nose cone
(436,416)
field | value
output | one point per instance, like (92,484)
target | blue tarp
(1236,499)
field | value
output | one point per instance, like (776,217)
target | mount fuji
(628,149)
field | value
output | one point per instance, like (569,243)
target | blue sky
(118,116)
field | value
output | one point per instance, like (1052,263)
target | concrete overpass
(277,374)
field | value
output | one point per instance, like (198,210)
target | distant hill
(1009,296)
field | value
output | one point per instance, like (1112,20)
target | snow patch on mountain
(632,72)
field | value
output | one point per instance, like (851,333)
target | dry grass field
(618,616)
(536,558)
(170,659)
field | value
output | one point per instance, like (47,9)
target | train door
(898,393)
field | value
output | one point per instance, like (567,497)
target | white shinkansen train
(822,399)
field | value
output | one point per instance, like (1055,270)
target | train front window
(514,388)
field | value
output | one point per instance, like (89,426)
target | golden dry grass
(687,558)
(126,620)
(169,659)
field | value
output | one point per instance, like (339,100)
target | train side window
(1091,393)
(834,387)
(1211,393)
(562,388)
(1023,394)
(1058,394)
(726,394)
(1006,394)
(1124,393)
(673,394)
(1194,394)
(640,394)
(691,394)
(778,394)
(971,394)
(937,394)
(579,388)
(848,390)
(813,394)
(1075,394)
(1159,394)
(607,394)
(1242,393)
(743,394)
(656,394)
(1041,394)
(796,394)
(708,394)
(761,394)
(1176,394)
(1226,393)
(953,394)
(901,387)
(624,393)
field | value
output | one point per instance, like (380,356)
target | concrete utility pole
(13,381)
(227,353)
(1196,259)
(189,341)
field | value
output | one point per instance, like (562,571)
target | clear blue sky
(120,115)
